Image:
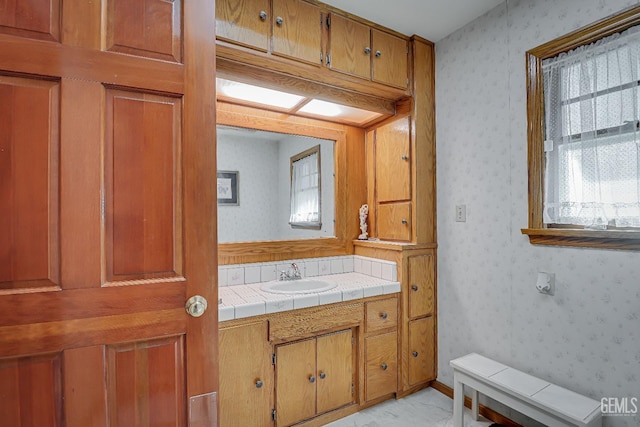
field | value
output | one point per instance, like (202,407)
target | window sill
(605,239)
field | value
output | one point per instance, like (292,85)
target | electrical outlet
(461,213)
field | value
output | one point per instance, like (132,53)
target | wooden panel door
(393,161)
(390,59)
(295,382)
(394,221)
(350,47)
(245,22)
(335,370)
(381,365)
(246,376)
(107,213)
(421,285)
(422,358)
(297,30)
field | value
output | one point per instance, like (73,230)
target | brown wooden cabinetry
(297,30)
(392,148)
(421,347)
(314,376)
(288,28)
(421,286)
(381,348)
(246,375)
(244,22)
(366,52)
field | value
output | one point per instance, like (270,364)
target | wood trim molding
(485,411)
(537,231)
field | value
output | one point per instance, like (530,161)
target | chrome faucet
(293,273)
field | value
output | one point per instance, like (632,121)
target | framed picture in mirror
(228,188)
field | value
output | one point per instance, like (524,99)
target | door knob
(414,287)
(415,354)
(258,384)
(312,379)
(196,306)
(322,375)
(367,50)
(279,20)
(384,366)
(378,54)
(263,15)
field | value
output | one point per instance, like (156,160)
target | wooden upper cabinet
(362,51)
(393,161)
(297,30)
(350,47)
(245,22)
(390,59)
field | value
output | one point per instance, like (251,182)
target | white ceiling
(431,19)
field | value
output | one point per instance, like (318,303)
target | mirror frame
(274,250)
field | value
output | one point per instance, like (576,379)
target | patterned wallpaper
(586,337)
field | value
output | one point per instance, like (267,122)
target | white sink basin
(302,286)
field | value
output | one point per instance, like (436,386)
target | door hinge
(353,389)
(321,57)
(273,414)
(329,59)
(273,359)
(328,21)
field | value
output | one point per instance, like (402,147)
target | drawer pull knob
(404,221)
(383,315)
(367,50)
(378,54)
(384,366)
(414,287)
(415,354)
(322,375)
(312,379)
(405,157)
(279,20)
(263,15)
(258,384)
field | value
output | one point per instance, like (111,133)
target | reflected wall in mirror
(262,160)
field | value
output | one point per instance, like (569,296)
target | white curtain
(305,192)
(591,146)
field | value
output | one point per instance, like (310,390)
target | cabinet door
(350,47)
(390,55)
(394,221)
(421,285)
(335,370)
(381,358)
(421,350)
(393,161)
(297,30)
(295,382)
(244,22)
(246,376)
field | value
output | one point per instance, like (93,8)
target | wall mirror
(242,242)
(265,163)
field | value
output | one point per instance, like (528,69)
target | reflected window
(306,189)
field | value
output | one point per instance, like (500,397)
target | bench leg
(474,404)
(458,402)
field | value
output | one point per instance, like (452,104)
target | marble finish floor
(426,408)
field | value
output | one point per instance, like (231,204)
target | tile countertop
(241,301)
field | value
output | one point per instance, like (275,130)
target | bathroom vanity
(310,364)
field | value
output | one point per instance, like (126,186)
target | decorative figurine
(364,211)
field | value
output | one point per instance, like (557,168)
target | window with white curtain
(591,141)
(306,189)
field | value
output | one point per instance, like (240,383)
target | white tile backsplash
(242,274)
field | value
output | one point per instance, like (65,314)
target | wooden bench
(536,398)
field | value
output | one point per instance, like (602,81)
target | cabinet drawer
(381,355)
(394,221)
(382,314)
(307,322)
